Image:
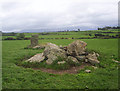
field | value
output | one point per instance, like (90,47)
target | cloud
(18,15)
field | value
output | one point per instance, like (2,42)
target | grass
(54,65)
(70,34)
(17,77)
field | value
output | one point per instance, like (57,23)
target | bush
(21,36)
(9,34)
(90,35)
(9,38)
(27,38)
(42,38)
(98,35)
(62,38)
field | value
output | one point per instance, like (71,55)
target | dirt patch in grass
(72,70)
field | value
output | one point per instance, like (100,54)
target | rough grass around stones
(54,65)
(61,58)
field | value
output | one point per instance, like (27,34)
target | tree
(13,34)
(99,29)
(21,36)
(78,29)
(67,30)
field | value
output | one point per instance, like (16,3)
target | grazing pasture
(71,34)
(18,77)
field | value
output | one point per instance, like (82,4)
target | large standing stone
(34,40)
(76,48)
(52,52)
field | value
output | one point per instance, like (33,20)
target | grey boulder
(76,48)
(37,58)
(73,59)
(92,58)
(52,52)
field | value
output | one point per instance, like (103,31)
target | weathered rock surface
(81,58)
(94,67)
(75,52)
(115,61)
(42,46)
(86,60)
(73,59)
(62,62)
(36,58)
(64,48)
(76,48)
(88,71)
(92,58)
(34,40)
(52,52)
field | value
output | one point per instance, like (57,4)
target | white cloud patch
(18,15)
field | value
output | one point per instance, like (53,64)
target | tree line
(108,27)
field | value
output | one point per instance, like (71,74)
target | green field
(16,77)
(70,34)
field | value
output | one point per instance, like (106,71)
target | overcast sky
(51,15)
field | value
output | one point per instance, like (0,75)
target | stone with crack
(73,59)
(76,48)
(52,52)
(92,58)
(37,58)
